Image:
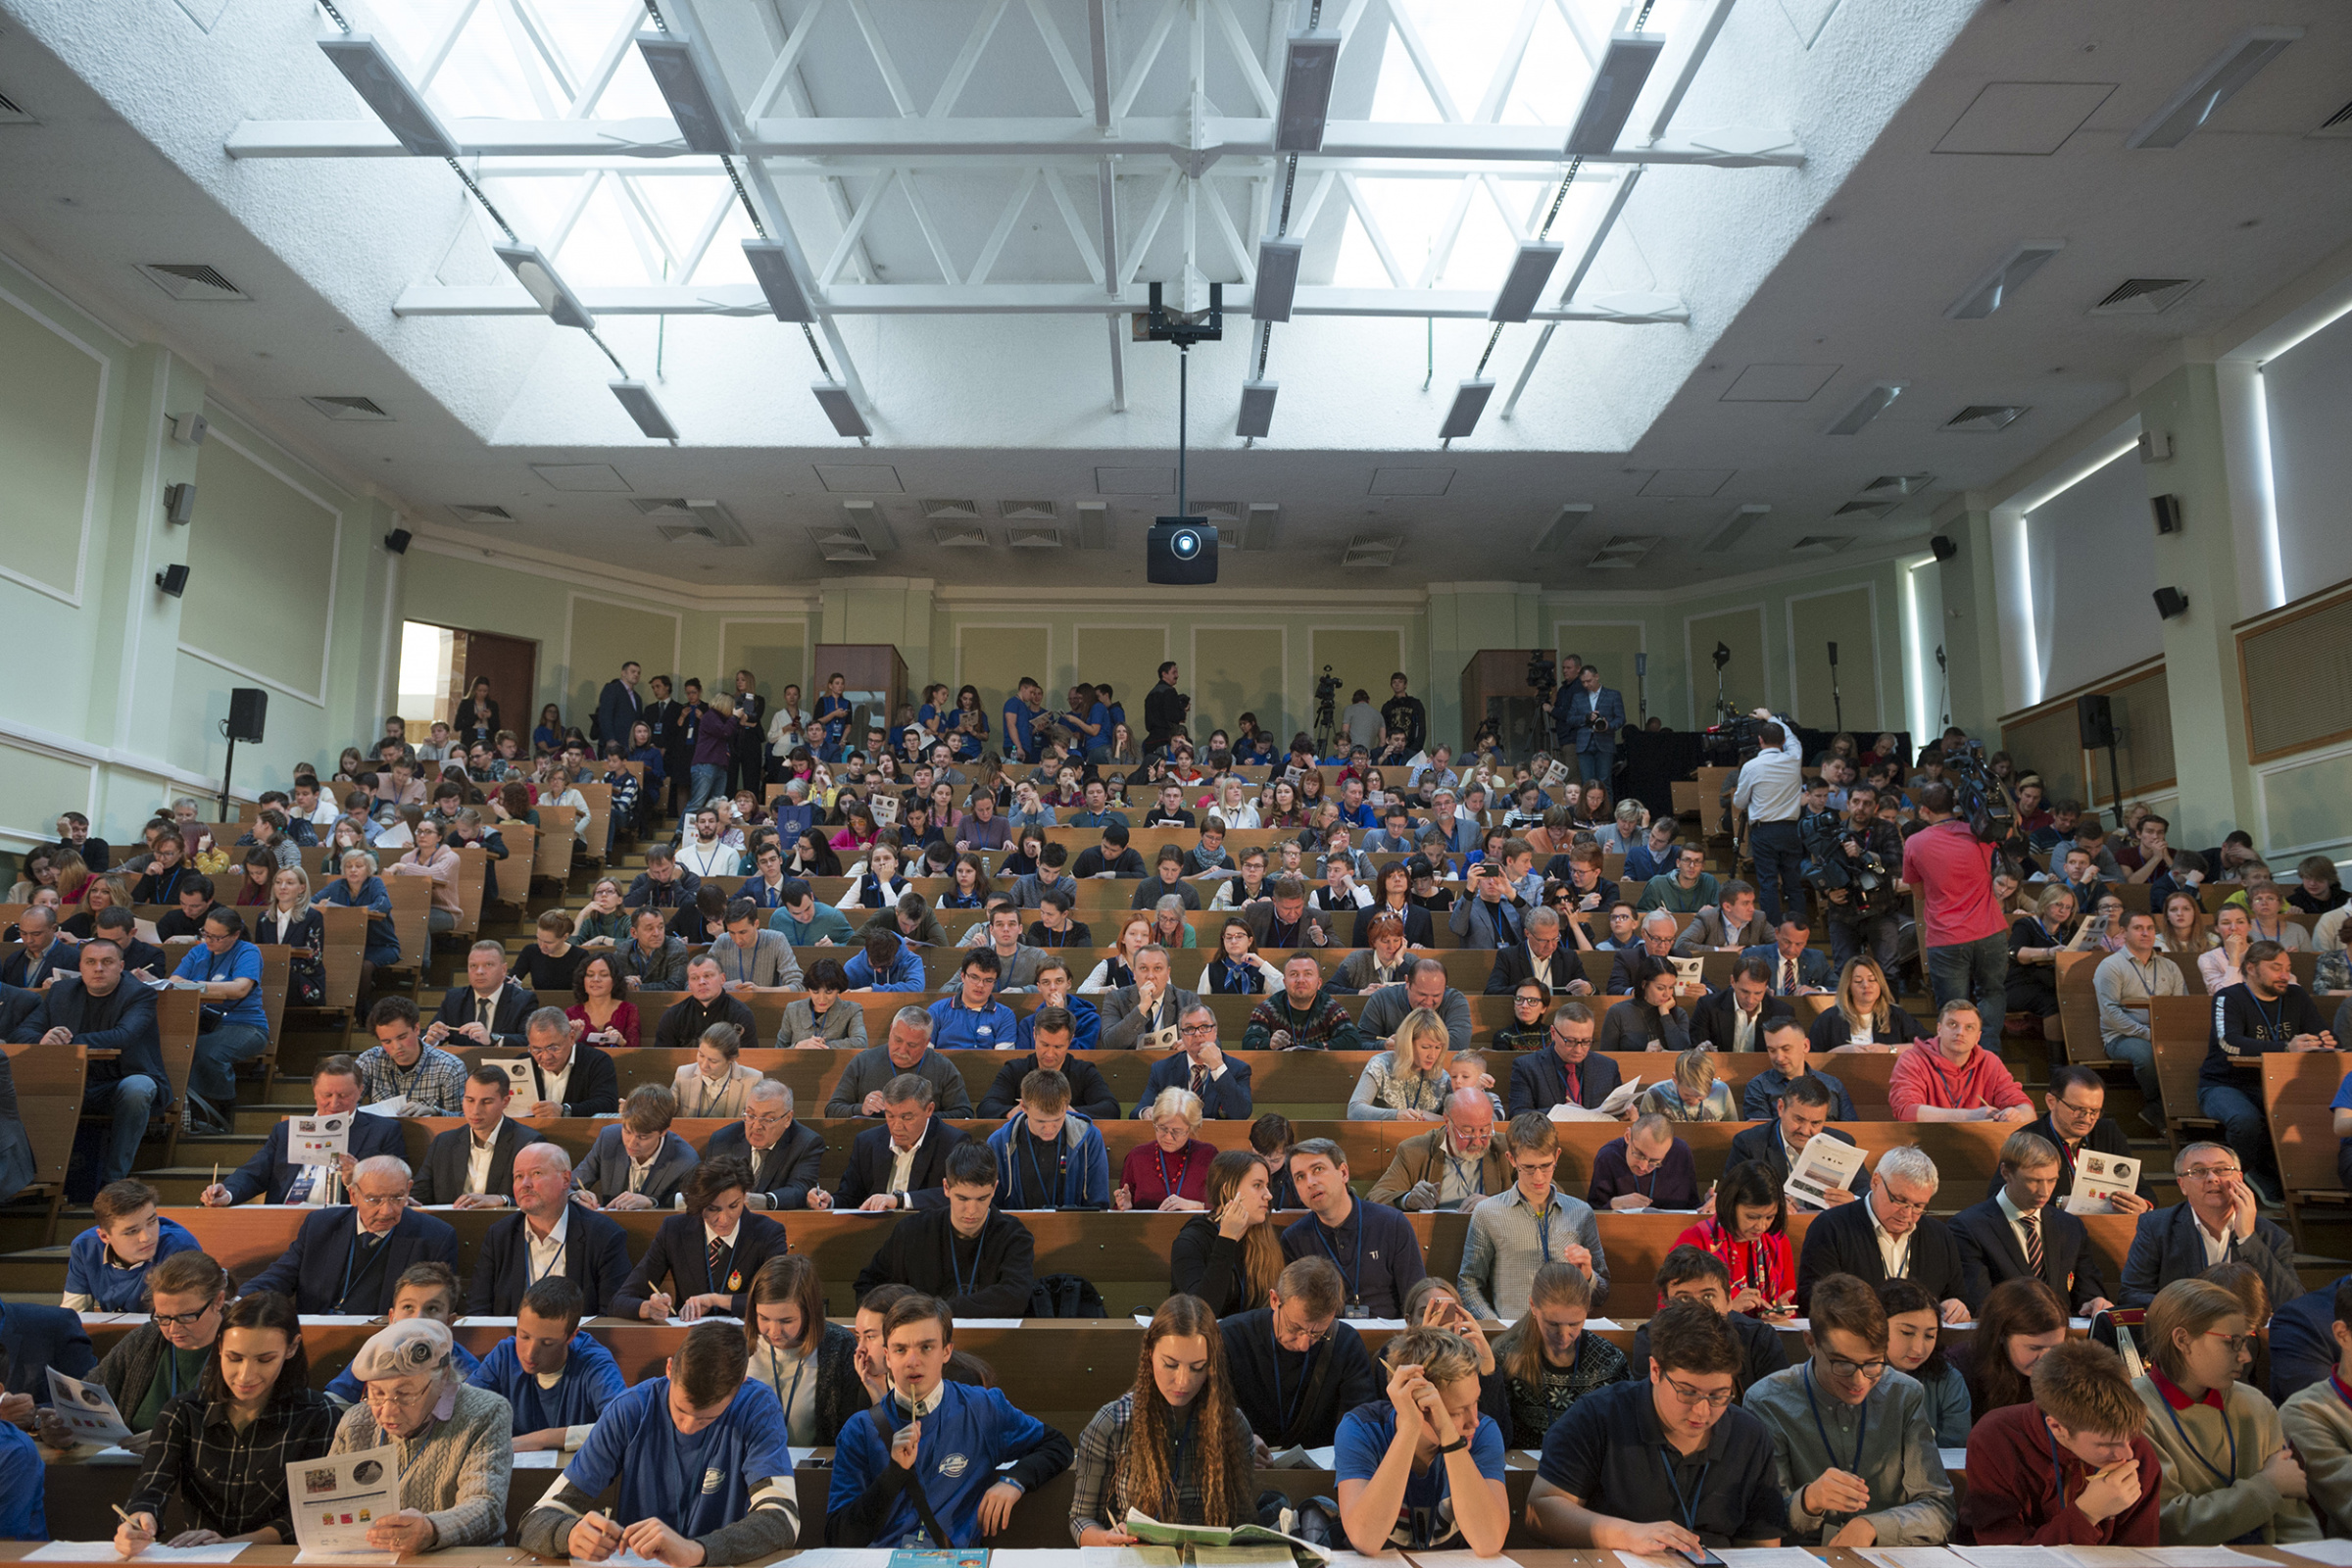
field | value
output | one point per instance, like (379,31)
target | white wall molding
(648,588)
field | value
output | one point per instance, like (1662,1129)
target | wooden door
(511,665)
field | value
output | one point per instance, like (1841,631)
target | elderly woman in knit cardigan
(457,1442)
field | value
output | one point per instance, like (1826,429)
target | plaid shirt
(233,1482)
(437,1081)
(1100,1503)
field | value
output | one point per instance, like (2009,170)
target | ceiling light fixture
(1617,82)
(377,80)
(1258,409)
(841,409)
(771,265)
(1469,402)
(1991,293)
(1869,406)
(1736,529)
(1307,67)
(638,399)
(2212,86)
(1523,285)
(701,123)
(1277,285)
(532,271)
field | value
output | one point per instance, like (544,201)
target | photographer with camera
(1164,710)
(1770,797)
(1853,865)
(1589,715)
(1964,938)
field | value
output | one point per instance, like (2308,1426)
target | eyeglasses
(2208,1173)
(1720,1400)
(2079,1110)
(182,1320)
(2239,1343)
(403,1403)
(1868,1371)
(1915,1205)
(1199,1029)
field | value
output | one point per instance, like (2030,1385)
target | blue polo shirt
(694,1484)
(1610,1452)
(23,1482)
(110,1287)
(1425,1516)
(590,1380)
(966,1436)
(957,1027)
(240,962)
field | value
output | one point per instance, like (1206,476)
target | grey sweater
(456,1471)
(1910,1495)
(872,1068)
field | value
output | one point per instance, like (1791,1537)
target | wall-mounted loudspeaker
(2168,512)
(248,710)
(2095,716)
(397,541)
(172,580)
(179,504)
(1944,546)
(2171,602)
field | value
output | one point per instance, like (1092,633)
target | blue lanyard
(957,1268)
(1051,1197)
(798,1368)
(2275,1019)
(1861,1431)
(1356,1279)
(553,1263)
(1306,1364)
(1543,1228)
(2227,1477)
(1698,1493)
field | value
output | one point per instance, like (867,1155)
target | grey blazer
(1123,1026)
(605,1169)
(844,1025)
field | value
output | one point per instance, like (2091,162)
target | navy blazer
(446,1158)
(63,958)
(2303,1340)
(1539,1082)
(36,1339)
(515,1003)
(1842,1241)
(677,1257)
(318,1271)
(1226,1098)
(1812,970)
(1762,1143)
(2165,1247)
(1711,1022)
(870,1162)
(789,1171)
(594,1087)
(268,1173)
(596,1258)
(1990,1254)
(1515,965)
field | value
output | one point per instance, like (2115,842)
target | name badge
(1355,1309)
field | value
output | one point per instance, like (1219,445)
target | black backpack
(1065,1296)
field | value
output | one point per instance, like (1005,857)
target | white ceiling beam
(1717,15)
(1004,230)
(1534,179)
(1255,76)
(1424,65)
(787,58)
(879,47)
(1097,39)
(435,58)
(1148,56)
(1080,89)
(1506,69)
(607,67)
(1017,299)
(903,141)
(932,235)
(856,227)
(1106,198)
(1119,363)
(1059,189)
(1151,229)
(961,71)
(1234,243)
(1576,279)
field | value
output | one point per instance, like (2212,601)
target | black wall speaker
(173,579)
(2171,602)
(1944,546)
(248,709)
(397,541)
(1181,550)
(2095,716)
(2168,512)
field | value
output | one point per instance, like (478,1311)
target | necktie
(2032,1225)
(1200,1077)
(712,1259)
(481,1011)
(1787,976)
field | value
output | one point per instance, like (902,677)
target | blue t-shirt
(957,1027)
(694,1484)
(24,1484)
(241,963)
(119,1290)
(591,1380)
(351,1390)
(1425,1518)
(1018,738)
(971,1432)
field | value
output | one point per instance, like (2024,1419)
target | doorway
(439,665)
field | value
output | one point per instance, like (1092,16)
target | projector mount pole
(1836,701)
(1184,367)
(1943,698)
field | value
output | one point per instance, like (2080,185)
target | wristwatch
(1455,1446)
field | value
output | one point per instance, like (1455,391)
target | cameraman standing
(1963,939)
(1771,795)
(1163,711)
(1867,919)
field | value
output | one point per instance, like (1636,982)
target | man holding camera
(1964,939)
(1592,714)
(1861,893)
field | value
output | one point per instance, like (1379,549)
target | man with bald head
(349,1259)
(1452,1165)
(549,1234)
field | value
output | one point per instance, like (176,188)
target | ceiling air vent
(1027,510)
(1899,484)
(710,520)
(190,280)
(686,532)
(1984,416)
(1218,511)
(1033,536)
(349,408)
(1821,544)
(2144,296)
(2338,124)
(11,115)
(1872,509)
(951,510)
(662,505)
(1623,552)
(1373,550)
(840,542)
(479,511)
(1735,528)
(959,535)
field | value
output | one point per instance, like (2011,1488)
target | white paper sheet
(2199,1557)
(397,1106)
(2106,1556)
(336,1499)
(1619,1098)
(519,1073)
(317,1139)
(1954,1460)
(2005,1556)
(1120,1556)
(1909,1556)
(1768,1557)
(1458,1559)
(348,1559)
(2336,1553)
(1263,1556)
(844,1557)
(87,1410)
(2100,1177)
(104,1551)
(1821,1166)
(629,1560)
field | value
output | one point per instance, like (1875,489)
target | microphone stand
(1836,701)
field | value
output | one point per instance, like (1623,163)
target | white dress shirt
(902,1167)
(552,1084)
(2217,1248)
(545,1254)
(2017,1225)
(1772,785)
(1894,1252)
(477,1158)
(713,859)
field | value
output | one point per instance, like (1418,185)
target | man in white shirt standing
(1770,795)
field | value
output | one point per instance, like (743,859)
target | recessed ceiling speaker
(1181,552)
(1944,546)
(2171,602)
(2168,512)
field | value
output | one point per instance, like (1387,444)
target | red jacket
(2012,1498)
(1921,1077)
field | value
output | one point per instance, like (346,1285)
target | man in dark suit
(901,1163)
(782,1154)
(349,1259)
(2077,1124)
(487,1010)
(473,1166)
(1793,966)
(1589,715)
(1283,920)
(551,1234)
(36,1339)
(566,1079)
(1735,1018)
(618,708)
(1803,1116)
(1889,1234)
(2020,1233)
(1565,1072)
(1542,957)
(1222,1082)
(45,952)
(703,1260)
(1729,925)
(2218,1221)
(270,1176)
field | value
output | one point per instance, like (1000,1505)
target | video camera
(1979,799)
(1543,675)
(1327,687)
(1830,868)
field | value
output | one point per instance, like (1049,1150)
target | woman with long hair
(2181,928)
(1546,1359)
(257,1385)
(253,884)
(1408,1081)
(39,870)
(1915,1347)
(600,1012)
(1175,1447)
(1749,1231)
(809,1363)
(1118,969)
(2228,1475)
(1233,807)
(476,717)
(971,886)
(106,891)
(1229,1255)
(1650,1019)
(1865,1017)
(1422,1468)
(812,856)
(2019,1323)
(1283,814)
(2232,935)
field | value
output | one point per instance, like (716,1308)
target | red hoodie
(1922,1077)
(2012,1498)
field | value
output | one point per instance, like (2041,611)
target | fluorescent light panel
(1873,401)
(1258,407)
(1738,529)
(1617,81)
(1991,293)
(772,267)
(2212,86)
(638,399)
(1469,402)
(1307,67)
(532,271)
(1524,284)
(841,409)
(1277,285)
(701,121)
(401,107)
